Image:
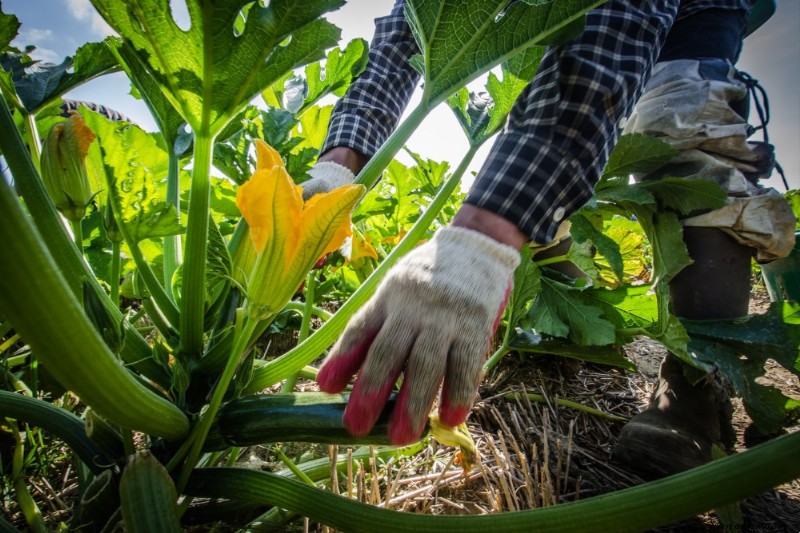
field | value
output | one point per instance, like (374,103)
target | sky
(771,55)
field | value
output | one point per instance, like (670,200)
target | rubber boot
(679,428)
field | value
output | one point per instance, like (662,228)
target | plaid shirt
(545,163)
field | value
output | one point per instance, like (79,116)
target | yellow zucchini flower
(289,235)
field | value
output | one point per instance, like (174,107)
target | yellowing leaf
(456,436)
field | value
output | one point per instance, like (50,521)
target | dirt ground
(540,453)
(534,452)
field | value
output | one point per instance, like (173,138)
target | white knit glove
(432,317)
(325,177)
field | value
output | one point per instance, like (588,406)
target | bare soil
(534,453)
(540,453)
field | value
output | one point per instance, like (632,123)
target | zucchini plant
(155,313)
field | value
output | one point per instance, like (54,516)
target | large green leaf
(166,116)
(635,154)
(635,305)
(9,26)
(740,349)
(134,162)
(37,83)
(665,233)
(482,115)
(563,311)
(210,71)
(687,196)
(527,284)
(459,40)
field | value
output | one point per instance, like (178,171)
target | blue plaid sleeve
(544,164)
(371,109)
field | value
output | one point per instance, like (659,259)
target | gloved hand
(431,318)
(325,177)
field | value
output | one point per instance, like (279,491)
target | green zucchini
(300,417)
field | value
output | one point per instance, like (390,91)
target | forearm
(545,164)
(371,108)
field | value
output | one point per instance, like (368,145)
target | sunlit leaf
(312,127)
(340,67)
(169,121)
(635,154)
(461,40)
(210,71)
(134,163)
(38,83)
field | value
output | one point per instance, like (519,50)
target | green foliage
(208,79)
(36,84)
(459,41)
(133,160)
(177,348)
(740,349)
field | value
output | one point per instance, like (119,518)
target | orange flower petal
(267,156)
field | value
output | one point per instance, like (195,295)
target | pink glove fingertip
(452,415)
(402,429)
(337,370)
(364,408)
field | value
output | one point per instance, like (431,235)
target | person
(432,318)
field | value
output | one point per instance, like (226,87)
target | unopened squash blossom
(64,166)
(288,234)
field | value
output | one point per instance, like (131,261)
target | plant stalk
(172,243)
(34,141)
(193,290)
(200,432)
(305,324)
(115,271)
(77,234)
(371,173)
(639,508)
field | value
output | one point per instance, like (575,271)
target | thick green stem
(77,233)
(305,324)
(634,509)
(495,358)
(31,512)
(172,243)
(552,260)
(33,140)
(115,271)
(305,352)
(193,290)
(372,171)
(71,264)
(200,431)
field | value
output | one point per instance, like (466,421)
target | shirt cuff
(533,184)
